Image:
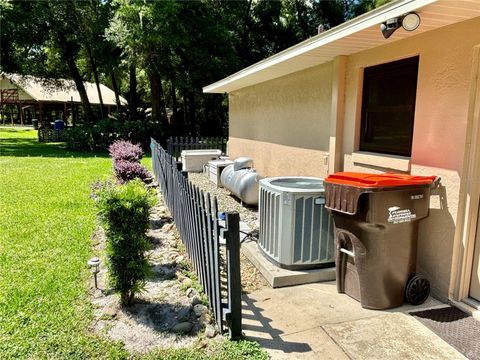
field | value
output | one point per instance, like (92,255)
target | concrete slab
(289,322)
(311,344)
(304,307)
(293,309)
(278,277)
(390,336)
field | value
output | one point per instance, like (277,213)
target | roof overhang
(60,90)
(359,34)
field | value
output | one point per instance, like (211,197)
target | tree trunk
(174,102)
(185,111)
(158,104)
(115,89)
(191,112)
(95,75)
(69,56)
(126,298)
(132,93)
(74,114)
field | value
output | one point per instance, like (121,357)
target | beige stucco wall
(439,130)
(283,124)
(280,160)
(442,91)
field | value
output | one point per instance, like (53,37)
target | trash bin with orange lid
(376,220)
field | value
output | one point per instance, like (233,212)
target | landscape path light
(94,264)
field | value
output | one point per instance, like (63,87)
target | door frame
(469,198)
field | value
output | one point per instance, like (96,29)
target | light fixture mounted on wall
(409,22)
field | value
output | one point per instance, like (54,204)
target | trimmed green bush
(80,138)
(125,211)
(99,136)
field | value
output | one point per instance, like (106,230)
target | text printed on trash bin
(397,215)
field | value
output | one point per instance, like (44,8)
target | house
(25,97)
(350,99)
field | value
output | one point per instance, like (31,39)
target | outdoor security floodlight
(409,22)
(389,27)
(94,264)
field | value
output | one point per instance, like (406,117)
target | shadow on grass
(21,142)
(31,147)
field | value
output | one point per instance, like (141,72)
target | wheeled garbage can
(376,220)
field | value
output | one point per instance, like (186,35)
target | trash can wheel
(417,290)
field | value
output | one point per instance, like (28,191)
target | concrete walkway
(313,321)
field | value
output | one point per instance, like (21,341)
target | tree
(56,41)
(63,26)
(93,23)
(160,52)
(143,32)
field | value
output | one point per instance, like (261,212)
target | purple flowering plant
(125,150)
(128,170)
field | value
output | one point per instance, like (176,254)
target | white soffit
(353,36)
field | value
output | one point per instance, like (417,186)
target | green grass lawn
(46,222)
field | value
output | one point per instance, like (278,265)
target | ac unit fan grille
(269,221)
(313,232)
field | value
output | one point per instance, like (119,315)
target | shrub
(79,138)
(128,170)
(100,135)
(125,211)
(125,150)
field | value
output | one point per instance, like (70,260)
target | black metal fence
(175,145)
(195,214)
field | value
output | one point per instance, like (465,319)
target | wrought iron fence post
(232,237)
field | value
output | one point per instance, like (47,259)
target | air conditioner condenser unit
(296,231)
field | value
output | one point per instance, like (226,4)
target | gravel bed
(226,202)
(252,279)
